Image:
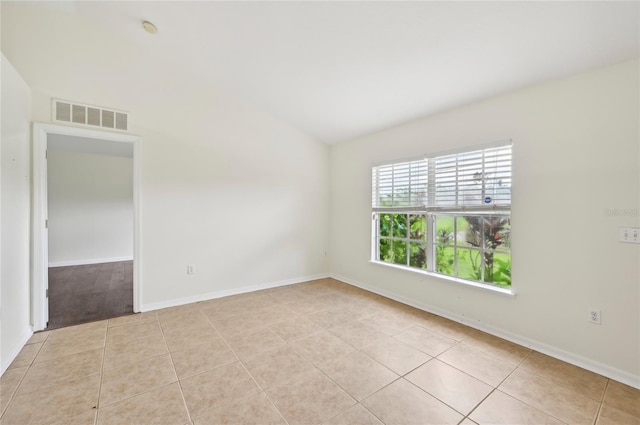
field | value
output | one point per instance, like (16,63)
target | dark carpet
(81,294)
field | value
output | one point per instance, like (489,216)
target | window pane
(498,268)
(473,229)
(498,175)
(386,253)
(444,260)
(469,264)
(385,224)
(496,232)
(479,177)
(470,178)
(444,229)
(400,252)
(445,180)
(400,225)
(401,185)
(462,232)
(383,186)
(418,257)
(418,225)
(418,183)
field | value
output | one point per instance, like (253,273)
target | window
(447,214)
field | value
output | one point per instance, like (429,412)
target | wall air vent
(92,116)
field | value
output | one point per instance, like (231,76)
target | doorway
(90,225)
(82,265)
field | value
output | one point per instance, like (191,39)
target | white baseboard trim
(558,353)
(90,261)
(229,292)
(15,349)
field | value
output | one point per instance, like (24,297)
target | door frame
(40,240)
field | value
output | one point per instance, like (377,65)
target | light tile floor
(320,352)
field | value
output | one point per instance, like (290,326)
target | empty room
(320,212)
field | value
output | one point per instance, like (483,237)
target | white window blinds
(402,184)
(477,179)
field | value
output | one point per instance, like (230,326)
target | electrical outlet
(595,317)
(630,234)
(191,269)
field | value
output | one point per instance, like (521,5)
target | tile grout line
(464,416)
(67,378)
(184,400)
(341,412)
(291,347)
(169,353)
(241,362)
(604,393)
(104,352)
(264,391)
(25,374)
(15,391)
(441,401)
(561,385)
(531,351)
(370,412)
(357,402)
(141,392)
(496,388)
(488,353)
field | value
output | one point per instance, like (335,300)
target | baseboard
(558,353)
(229,292)
(15,349)
(90,261)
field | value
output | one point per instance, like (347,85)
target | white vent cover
(94,116)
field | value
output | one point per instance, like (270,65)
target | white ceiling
(338,70)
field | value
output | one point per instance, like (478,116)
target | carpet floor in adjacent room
(86,293)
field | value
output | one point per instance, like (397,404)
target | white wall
(246,202)
(15,203)
(575,153)
(237,193)
(90,201)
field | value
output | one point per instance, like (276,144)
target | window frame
(430,209)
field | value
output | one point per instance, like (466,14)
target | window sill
(491,288)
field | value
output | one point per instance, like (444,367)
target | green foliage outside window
(472,247)
(403,239)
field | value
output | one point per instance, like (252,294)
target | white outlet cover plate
(630,235)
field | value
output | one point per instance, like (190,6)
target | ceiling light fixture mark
(149,27)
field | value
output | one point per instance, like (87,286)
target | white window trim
(488,287)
